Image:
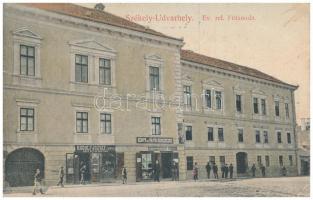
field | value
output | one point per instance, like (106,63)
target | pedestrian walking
(208,169)
(38,182)
(253,168)
(215,170)
(226,170)
(263,170)
(156,171)
(223,170)
(231,170)
(61,176)
(124,175)
(83,170)
(195,172)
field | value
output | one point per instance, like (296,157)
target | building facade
(85,87)
(303,140)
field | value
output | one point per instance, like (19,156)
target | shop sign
(154,140)
(152,148)
(93,148)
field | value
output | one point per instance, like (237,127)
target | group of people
(225,169)
(262,168)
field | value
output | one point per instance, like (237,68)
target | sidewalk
(27,189)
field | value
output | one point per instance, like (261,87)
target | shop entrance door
(83,159)
(167,162)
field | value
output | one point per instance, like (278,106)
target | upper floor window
(105,123)
(154,78)
(287,110)
(289,138)
(81,68)
(238,103)
(210,134)
(82,122)
(27,60)
(265,134)
(218,99)
(188,132)
(220,132)
(257,136)
(263,106)
(187,95)
(26,119)
(255,105)
(277,108)
(208,98)
(240,135)
(104,71)
(278,137)
(156,125)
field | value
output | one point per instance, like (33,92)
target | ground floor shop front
(104,163)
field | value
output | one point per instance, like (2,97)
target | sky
(273,38)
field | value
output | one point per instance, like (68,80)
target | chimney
(99,7)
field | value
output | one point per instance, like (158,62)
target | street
(258,187)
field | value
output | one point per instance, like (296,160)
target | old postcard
(156,100)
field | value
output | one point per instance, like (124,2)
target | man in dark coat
(226,170)
(223,170)
(231,170)
(253,168)
(208,169)
(263,170)
(156,171)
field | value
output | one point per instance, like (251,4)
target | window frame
(277,110)
(257,136)
(27,57)
(220,135)
(289,138)
(239,103)
(267,160)
(187,95)
(27,117)
(189,162)
(155,124)
(238,135)
(105,69)
(265,137)
(81,66)
(105,121)
(218,93)
(255,105)
(82,122)
(263,106)
(279,137)
(281,160)
(188,133)
(208,98)
(211,133)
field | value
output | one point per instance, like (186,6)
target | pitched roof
(96,16)
(191,56)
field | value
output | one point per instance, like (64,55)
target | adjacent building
(85,87)
(303,141)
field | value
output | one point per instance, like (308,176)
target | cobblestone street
(259,187)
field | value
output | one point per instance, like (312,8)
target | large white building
(85,87)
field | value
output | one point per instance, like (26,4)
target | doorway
(242,162)
(166,164)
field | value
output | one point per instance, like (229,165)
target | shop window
(188,132)
(210,134)
(26,119)
(189,163)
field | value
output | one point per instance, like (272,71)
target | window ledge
(27,77)
(26,132)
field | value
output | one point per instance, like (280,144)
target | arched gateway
(20,166)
